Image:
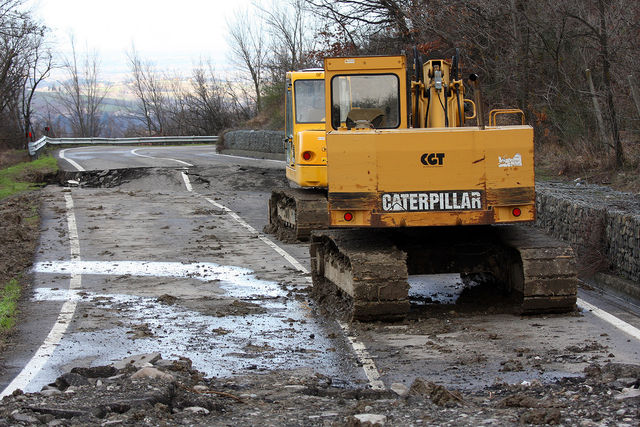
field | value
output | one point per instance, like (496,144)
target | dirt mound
(19,216)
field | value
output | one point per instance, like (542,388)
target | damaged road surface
(169,263)
(160,269)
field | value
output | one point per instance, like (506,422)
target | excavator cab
(304,144)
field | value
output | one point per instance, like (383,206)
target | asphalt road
(174,262)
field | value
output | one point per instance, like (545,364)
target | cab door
(288,131)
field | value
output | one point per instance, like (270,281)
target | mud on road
(19,224)
(239,340)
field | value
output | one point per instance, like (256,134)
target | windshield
(309,101)
(367,100)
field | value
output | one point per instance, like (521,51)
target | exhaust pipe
(478,98)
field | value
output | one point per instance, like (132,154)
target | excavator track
(294,213)
(359,274)
(363,274)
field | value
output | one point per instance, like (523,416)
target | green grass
(26,176)
(9,295)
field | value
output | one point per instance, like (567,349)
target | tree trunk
(606,79)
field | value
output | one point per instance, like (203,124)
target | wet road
(173,262)
(104,157)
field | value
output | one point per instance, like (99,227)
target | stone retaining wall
(259,141)
(603,225)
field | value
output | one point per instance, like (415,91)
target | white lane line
(610,318)
(369,366)
(260,236)
(42,355)
(187,182)
(158,158)
(71,162)
(243,223)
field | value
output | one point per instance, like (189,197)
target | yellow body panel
(425,177)
(305,137)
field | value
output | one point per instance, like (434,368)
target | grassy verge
(26,176)
(9,295)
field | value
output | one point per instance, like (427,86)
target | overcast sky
(174,34)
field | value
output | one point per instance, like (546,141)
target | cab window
(365,100)
(309,96)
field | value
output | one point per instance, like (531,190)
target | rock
(628,393)
(138,361)
(367,420)
(541,416)
(400,389)
(50,392)
(196,410)
(511,365)
(24,418)
(519,401)
(200,388)
(70,379)
(436,393)
(150,372)
(96,371)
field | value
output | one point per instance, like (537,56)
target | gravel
(170,392)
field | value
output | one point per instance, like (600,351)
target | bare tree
(40,65)
(24,63)
(210,109)
(82,94)
(149,89)
(600,21)
(248,48)
(291,31)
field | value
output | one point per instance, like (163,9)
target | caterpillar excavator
(386,187)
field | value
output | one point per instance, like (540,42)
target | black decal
(432,159)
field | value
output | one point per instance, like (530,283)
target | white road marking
(239,279)
(369,366)
(243,223)
(67,311)
(71,162)
(610,318)
(187,182)
(261,236)
(158,158)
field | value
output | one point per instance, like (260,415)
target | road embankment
(603,226)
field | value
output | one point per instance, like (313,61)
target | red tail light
(348,216)
(307,155)
(516,212)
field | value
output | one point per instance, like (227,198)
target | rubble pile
(149,390)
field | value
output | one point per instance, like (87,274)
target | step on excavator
(382,193)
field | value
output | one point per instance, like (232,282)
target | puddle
(435,288)
(237,282)
(286,336)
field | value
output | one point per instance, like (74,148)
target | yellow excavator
(389,181)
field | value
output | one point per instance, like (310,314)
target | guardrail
(37,146)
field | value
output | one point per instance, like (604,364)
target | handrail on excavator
(493,114)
